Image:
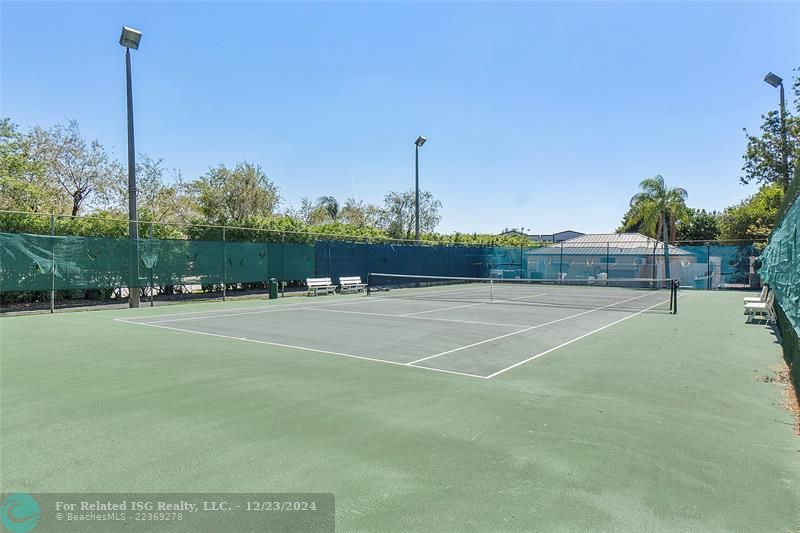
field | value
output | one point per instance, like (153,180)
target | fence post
(418,250)
(224,267)
(561,263)
(608,261)
(52,262)
(655,266)
(152,265)
(283,261)
(708,267)
(367,246)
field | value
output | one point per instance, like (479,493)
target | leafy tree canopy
(763,157)
(81,171)
(232,195)
(754,217)
(656,210)
(699,225)
(399,213)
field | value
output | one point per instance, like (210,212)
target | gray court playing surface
(463,330)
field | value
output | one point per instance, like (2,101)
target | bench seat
(318,286)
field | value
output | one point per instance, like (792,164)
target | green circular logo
(20,512)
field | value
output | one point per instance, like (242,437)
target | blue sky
(542,115)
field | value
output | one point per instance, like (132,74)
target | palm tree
(331,206)
(657,209)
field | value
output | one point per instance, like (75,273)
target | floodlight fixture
(773,79)
(130,38)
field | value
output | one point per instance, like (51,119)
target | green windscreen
(780,265)
(41,262)
(780,270)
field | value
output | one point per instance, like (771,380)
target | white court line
(255,305)
(469,305)
(272,306)
(526,329)
(421,295)
(441,309)
(573,305)
(180,318)
(294,347)
(571,341)
(416,317)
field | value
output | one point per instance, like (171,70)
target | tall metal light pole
(130,39)
(418,143)
(777,82)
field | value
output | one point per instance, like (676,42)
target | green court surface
(418,414)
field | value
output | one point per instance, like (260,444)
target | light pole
(418,144)
(777,82)
(130,39)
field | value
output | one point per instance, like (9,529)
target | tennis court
(658,422)
(478,328)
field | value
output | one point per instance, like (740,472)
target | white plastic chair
(760,298)
(761,308)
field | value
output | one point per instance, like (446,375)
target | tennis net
(622,294)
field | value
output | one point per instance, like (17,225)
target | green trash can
(273,289)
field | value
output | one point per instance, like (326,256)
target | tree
(657,209)
(162,195)
(763,157)
(226,195)
(83,171)
(22,186)
(160,198)
(303,213)
(699,225)
(360,215)
(399,217)
(330,205)
(626,225)
(754,217)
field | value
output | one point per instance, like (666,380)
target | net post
(671,296)
(150,244)
(369,284)
(491,290)
(224,267)
(675,285)
(52,262)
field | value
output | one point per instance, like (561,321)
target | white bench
(351,284)
(762,297)
(761,308)
(320,285)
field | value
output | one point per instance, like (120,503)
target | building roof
(612,243)
(541,236)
